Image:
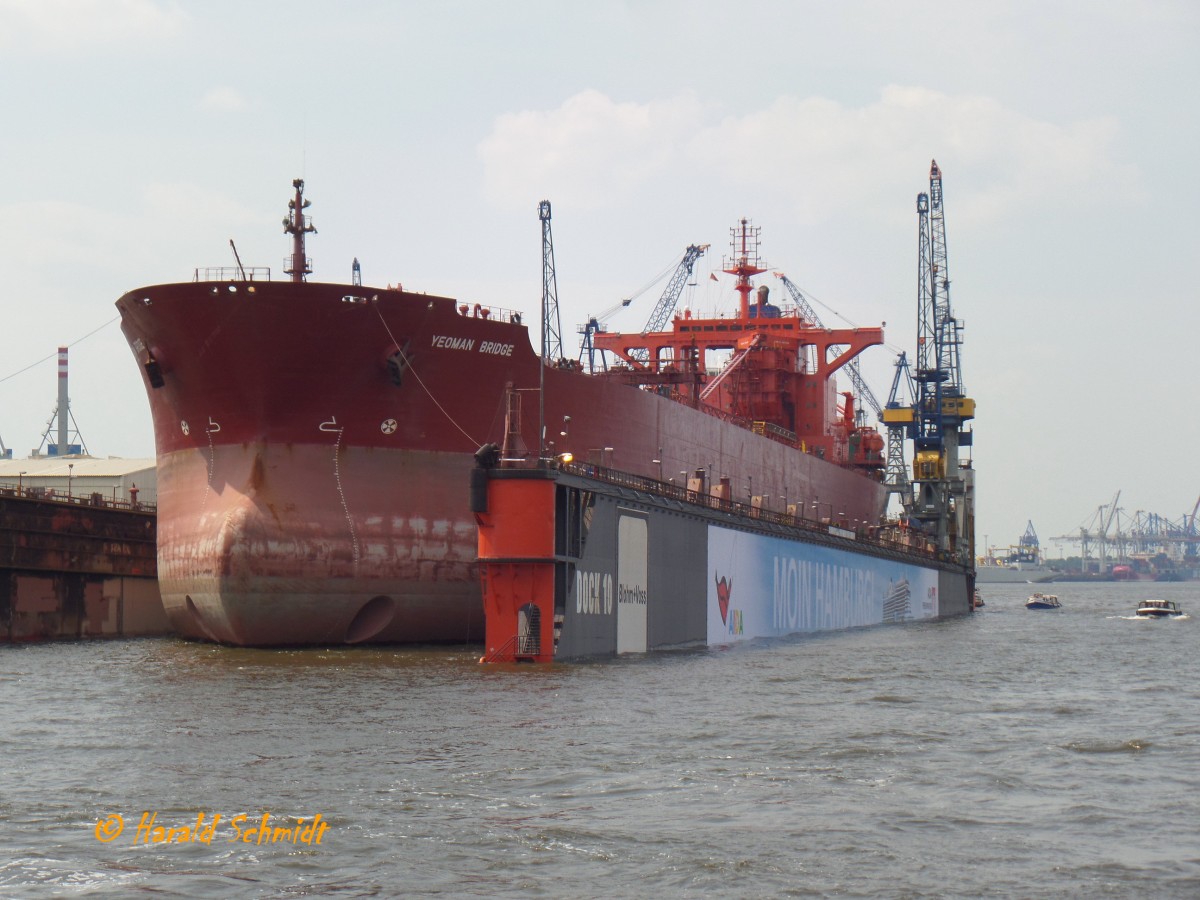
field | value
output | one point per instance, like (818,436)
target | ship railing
(232,273)
(506,652)
(289,265)
(724,416)
(94,499)
(886,536)
(494,313)
(775,433)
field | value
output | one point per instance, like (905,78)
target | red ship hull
(314,445)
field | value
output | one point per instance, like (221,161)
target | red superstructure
(315,440)
(779,377)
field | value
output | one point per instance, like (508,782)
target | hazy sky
(137,137)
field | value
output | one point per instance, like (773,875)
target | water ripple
(998,756)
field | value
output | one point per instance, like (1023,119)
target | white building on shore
(114,478)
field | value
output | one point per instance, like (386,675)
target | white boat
(1159,609)
(1042,601)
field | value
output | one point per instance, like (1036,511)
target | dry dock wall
(640,573)
(77,567)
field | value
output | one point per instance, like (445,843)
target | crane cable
(896,349)
(411,368)
(55,353)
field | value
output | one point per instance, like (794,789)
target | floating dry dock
(582,561)
(75,567)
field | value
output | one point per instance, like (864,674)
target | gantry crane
(1190,538)
(900,419)
(945,486)
(1096,532)
(1143,536)
(1029,548)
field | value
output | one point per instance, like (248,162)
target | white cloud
(169,202)
(590,152)
(49,235)
(223,99)
(822,155)
(70,25)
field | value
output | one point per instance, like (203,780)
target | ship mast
(298,225)
(743,242)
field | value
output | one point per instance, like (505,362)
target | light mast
(298,265)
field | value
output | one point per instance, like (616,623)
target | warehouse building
(114,479)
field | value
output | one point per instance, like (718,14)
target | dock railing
(887,536)
(91,498)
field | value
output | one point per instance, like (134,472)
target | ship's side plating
(313,443)
(311,437)
(579,566)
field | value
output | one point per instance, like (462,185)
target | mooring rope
(410,368)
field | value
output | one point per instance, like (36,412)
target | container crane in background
(1147,542)
(1029,548)
(944,484)
(1095,532)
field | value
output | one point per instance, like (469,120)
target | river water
(1007,754)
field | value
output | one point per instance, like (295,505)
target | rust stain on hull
(314,554)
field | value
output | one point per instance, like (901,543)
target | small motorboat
(1042,601)
(977,601)
(1158,609)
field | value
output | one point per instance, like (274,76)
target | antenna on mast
(744,261)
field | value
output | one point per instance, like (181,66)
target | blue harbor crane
(659,317)
(945,485)
(587,346)
(1029,548)
(661,314)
